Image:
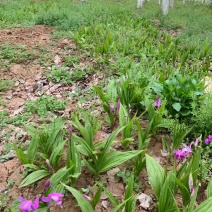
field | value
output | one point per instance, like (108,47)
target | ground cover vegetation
(108,110)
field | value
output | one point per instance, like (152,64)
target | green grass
(192,18)
(6,85)
(15,54)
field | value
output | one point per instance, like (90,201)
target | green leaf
(209,188)
(20,154)
(193,201)
(184,191)
(129,193)
(113,159)
(82,202)
(121,205)
(110,140)
(58,176)
(32,149)
(33,177)
(156,175)
(56,155)
(177,106)
(31,166)
(205,206)
(100,94)
(112,199)
(97,196)
(167,194)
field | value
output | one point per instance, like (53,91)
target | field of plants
(105,107)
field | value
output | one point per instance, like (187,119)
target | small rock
(145,201)
(17,83)
(164,153)
(105,204)
(9,97)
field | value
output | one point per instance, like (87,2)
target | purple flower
(71,130)
(28,205)
(157,104)
(208,139)
(87,197)
(180,154)
(47,184)
(53,196)
(118,105)
(192,192)
(111,107)
(187,149)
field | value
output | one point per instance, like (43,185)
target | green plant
(128,124)
(202,118)
(178,133)
(125,175)
(6,85)
(66,75)
(44,154)
(205,171)
(44,104)
(129,202)
(70,61)
(108,100)
(60,75)
(15,54)
(182,93)
(3,201)
(143,143)
(100,156)
(4,118)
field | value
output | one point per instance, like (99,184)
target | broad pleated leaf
(112,159)
(33,177)
(83,203)
(156,175)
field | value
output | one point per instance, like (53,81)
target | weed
(15,54)
(6,85)
(206,164)
(202,118)
(3,200)
(70,61)
(125,175)
(67,76)
(44,104)
(4,118)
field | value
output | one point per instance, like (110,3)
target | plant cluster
(44,104)
(6,85)
(66,75)
(15,54)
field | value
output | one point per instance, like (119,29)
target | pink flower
(187,149)
(28,205)
(55,197)
(157,104)
(71,129)
(111,107)
(118,105)
(47,185)
(208,139)
(180,154)
(87,197)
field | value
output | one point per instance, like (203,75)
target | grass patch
(6,85)
(15,54)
